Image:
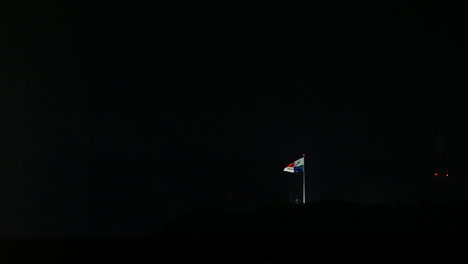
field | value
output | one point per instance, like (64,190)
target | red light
(303,155)
(435,174)
(446,175)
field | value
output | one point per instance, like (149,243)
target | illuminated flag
(297,166)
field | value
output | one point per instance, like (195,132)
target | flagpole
(303,181)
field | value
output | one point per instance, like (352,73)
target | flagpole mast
(303,181)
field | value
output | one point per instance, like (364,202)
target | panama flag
(297,166)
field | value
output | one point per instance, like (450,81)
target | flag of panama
(297,166)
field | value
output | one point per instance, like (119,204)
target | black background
(118,116)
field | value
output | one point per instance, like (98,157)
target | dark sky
(120,115)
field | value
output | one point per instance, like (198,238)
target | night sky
(118,116)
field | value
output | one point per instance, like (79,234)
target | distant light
(435,174)
(446,175)
(303,155)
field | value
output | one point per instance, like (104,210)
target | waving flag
(297,166)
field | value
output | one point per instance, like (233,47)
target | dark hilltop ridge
(326,218)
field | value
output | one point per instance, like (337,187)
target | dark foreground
(424,232)
(325,219)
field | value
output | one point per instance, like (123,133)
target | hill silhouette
(326,218)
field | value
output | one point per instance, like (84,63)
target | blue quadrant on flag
(296,166)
